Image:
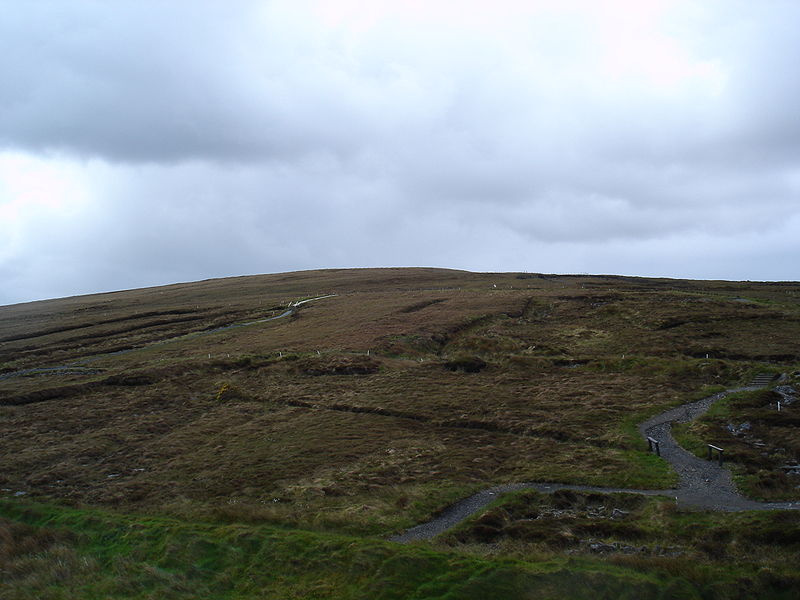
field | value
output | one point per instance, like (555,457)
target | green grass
(755,455)
(723,555)
(312,437)
(95,554)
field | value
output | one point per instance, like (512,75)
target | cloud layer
(148,142)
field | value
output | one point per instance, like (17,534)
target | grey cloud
(143,81)
(254,137)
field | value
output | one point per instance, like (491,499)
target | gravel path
(702,484)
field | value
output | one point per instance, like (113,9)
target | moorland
(217,439)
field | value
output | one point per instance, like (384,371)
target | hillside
(388,396)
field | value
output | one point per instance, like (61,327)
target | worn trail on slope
(702,484)
(77,368)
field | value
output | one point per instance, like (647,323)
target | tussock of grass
(717,552)
(95,554)
(758,441)
(345,419)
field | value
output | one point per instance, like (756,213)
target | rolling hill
(262,436)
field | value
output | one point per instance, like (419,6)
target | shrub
(228,392)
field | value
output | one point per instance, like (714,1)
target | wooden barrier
(719,450)
(652,443)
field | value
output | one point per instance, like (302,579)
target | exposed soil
(76,366)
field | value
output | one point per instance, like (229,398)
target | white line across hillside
(78,368)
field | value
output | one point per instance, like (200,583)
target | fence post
(719,450)
(652,442)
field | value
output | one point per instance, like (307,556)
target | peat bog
(165,455)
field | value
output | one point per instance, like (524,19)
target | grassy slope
(721,554)
(289,422)
(761,438)
(53,552)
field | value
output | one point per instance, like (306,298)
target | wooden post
(651,443)
(719,450)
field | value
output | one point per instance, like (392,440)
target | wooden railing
(719,450)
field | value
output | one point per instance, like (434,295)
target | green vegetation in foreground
(723,555)
(50,552)
(256,450)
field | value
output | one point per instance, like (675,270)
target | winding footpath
(702,484)
(77,368)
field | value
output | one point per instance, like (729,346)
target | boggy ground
(645,533)
(763,440)
(55,552)
(367,412)
(360,450)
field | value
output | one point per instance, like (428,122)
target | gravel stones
(703,484)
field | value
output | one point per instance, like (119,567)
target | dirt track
(78,366)
(703,484)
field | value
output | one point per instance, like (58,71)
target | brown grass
(757,439)
(293,420)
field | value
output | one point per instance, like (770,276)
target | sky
(145,142)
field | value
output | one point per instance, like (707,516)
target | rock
(746,426)
(619,513)
(788,393)
(601,547)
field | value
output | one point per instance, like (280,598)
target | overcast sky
(150,142)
